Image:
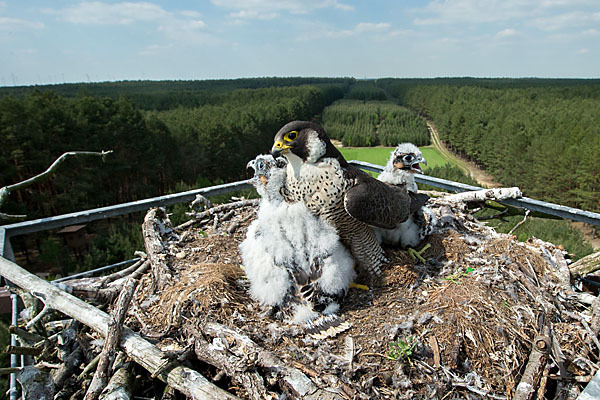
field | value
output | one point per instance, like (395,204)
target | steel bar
(523,202)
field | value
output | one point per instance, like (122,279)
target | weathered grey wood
(530,380)
(111,343)
(485,194)
(585,265)
(120,385)
(186,380)
(592,390)
(296,384)
(155,248)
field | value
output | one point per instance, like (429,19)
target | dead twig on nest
(111,342)
(519,223)
(530,379)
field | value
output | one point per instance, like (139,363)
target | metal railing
(42,224)
(527,203)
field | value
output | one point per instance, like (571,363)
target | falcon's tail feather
(326,326)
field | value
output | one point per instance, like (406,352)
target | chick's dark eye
(260,165)
(409,158)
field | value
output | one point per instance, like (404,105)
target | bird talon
(354,285)
(414,254)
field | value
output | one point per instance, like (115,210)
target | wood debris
(485,316)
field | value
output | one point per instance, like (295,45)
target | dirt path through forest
(485,179)
(469,167)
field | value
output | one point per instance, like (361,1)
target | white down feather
(286,235)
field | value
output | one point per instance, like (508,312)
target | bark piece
(585,265)
(151,230)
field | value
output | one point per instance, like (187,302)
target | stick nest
(459,325)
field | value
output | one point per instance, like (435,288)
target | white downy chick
(399,170)
(292,259)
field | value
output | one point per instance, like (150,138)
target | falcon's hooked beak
(279,149)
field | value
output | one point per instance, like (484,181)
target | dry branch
(109,350)
(530,380)
(585,265)
(184,379)
(120,386)
(484,194)
(293,381)
(6,190)
(151,230)
(217,209)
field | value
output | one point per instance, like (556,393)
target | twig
(155,248)
(217,209)
(529,383)
(484,194)
(111,343)
(6,190)
(519,224)
(25,350)
(38,317)
(585,265)
(234,225)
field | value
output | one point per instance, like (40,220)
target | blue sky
(79,41)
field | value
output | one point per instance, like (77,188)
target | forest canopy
(153,150)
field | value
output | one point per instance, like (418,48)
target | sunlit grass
(380,155)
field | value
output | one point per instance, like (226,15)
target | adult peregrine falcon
(294,261)
(348,198)
(399,170)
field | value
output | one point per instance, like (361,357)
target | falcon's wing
(379,204)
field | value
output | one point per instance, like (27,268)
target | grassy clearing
(380,155)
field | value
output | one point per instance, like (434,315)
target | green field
(380,155)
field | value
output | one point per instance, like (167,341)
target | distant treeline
(166,95)
(371,123)
(153,150)
(540,135)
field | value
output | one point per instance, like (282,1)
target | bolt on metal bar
(527,203)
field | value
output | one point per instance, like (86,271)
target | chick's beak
(250,168)
(416,167)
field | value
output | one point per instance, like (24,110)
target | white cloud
(184,26)
(371,27)
(486,11)
(154,50)
(583,51)
(269,9)
(570,20)
(17,24)
(99,13)
(253,14)
(362,28)
(507,33)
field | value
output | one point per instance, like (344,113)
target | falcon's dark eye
(290,136)
(260,165)
(409,158)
